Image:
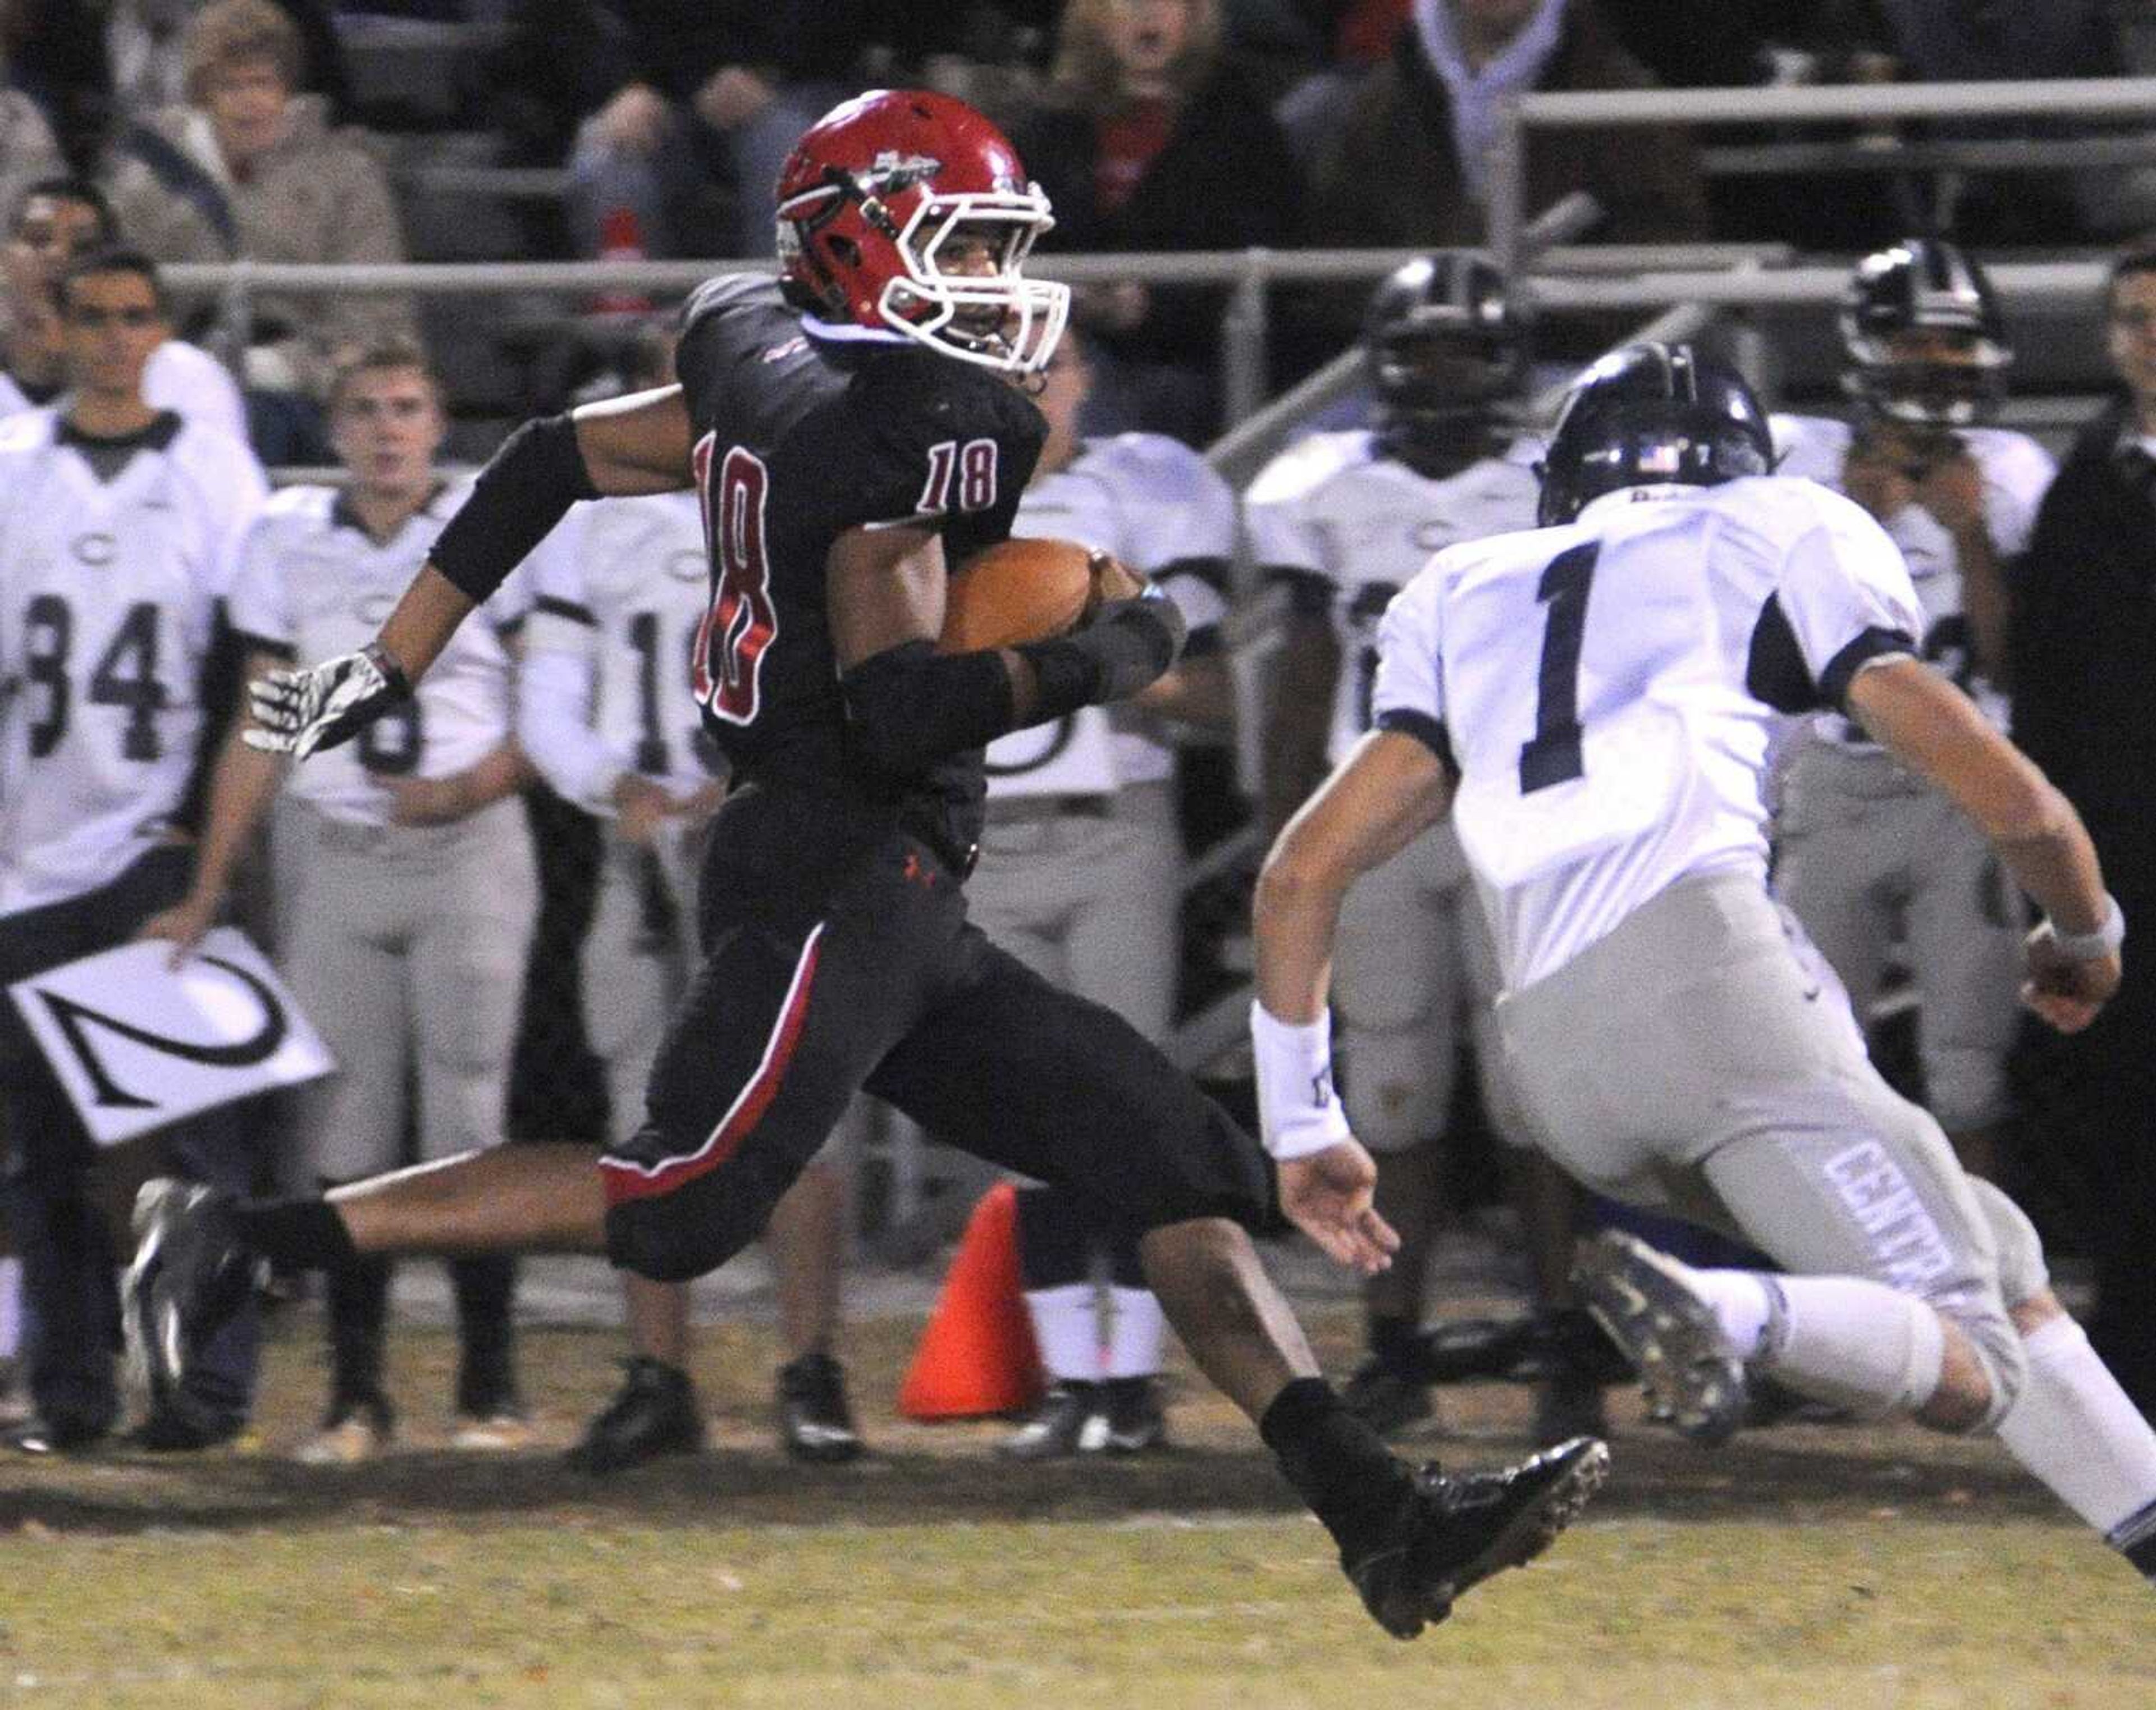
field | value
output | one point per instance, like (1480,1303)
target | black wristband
(1127,645)
(526,487)
(392,674)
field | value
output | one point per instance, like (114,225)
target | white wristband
(2094,947)
(1298,1111)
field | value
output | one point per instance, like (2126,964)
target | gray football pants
(1864,849)
(406,947)
(643,949)
(1696,1061)
(1414,974)
(1088,900)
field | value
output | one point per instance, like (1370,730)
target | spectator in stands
(27,149)
(2083,631)
(53,221)
(1410,164)
(117,523)
(684,94)
(1150,139)
(265,178)
(405,880)
(145,48)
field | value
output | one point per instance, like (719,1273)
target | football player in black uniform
(852,431)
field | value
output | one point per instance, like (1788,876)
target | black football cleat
(654,1414)
(1136,1421)
(1072,1419)
(191,1273)
(815,1423)
(1647,1303)
(1453,1532)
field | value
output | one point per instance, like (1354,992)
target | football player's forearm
(2049,857)
(244,782)
(1295,916)
(502,773)
(425,618)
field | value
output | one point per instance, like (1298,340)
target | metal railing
(2084,98)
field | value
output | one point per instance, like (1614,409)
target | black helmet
(1647,415)
(1924,284)
(1443,347)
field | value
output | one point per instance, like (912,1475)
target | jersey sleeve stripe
(1871,644)
(555,606)
(1429,731)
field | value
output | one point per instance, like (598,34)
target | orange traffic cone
(977,1356)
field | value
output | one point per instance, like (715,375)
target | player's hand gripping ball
(1028,590)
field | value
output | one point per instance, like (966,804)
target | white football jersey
(618,590)
(1152,501)
(109,591)
(2017,473)
(1335,505)
(1609,690)
(179,377)
(312,584)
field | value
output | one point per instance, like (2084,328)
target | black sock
(1337,1464)
(485,1289)
(359,1317)
(1397,1343)
(298,1234)
(1128,1388)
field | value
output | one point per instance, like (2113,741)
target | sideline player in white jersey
(1347,519)
(1593,701)
(54,221)
(117,525)
(1867,851)
(607,715)
(1080,878)
(405,884)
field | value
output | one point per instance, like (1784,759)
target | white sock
(2072,1426)
(11,1308)
(1741,1305)
(1855,1343)
(1136,1324)
(1066,1323)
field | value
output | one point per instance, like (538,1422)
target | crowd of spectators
(254,128)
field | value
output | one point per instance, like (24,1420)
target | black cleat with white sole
(191,1273)
(1453,1530)
(1652,1309)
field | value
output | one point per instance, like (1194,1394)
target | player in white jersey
(405,883)
(54,221)
(1347,519)
(607,717)
(1593,701)
(1080,878)
(1866,852)
(117,523)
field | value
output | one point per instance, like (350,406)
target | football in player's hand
(1017,591)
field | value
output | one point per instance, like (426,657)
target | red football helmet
(874,190)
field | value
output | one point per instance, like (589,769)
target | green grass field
(1821,1567)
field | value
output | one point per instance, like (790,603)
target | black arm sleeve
(909,707)
(526,487)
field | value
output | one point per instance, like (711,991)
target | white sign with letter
(139,1045)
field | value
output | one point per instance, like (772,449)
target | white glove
(296,712)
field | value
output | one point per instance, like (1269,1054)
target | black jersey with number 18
(799,439)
